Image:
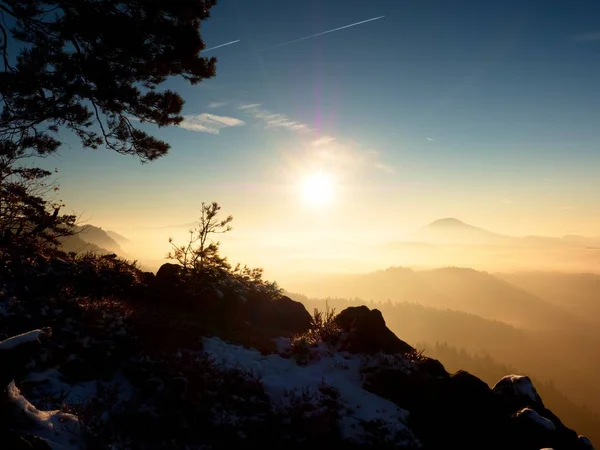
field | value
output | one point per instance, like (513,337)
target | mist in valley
(484,302)
(480,301)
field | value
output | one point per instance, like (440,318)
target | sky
(484,111)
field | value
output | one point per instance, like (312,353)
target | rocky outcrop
(15,352)
(534,424)
(284,314)
(461,411)
(458,410)
(168,276)
(366,332)
(516,392)
(229,306)
(177,388)
(21,441)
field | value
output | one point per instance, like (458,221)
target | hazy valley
(525,318)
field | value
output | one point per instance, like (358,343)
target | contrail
(326,32)
(219,46)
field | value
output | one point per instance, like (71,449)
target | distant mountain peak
(450,230)
(448,222)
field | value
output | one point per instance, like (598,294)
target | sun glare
(317,189)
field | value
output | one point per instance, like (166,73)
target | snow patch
(59,430)
(281,377)
(522,385)
(585,443)
(534,416)
(49,384)
(15,341)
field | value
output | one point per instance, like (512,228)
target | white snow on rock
(49,384)
(585,443)
(533,416)
(522,386)
(281,376)
(60,430)
(15,341)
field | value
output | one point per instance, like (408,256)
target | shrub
(323,330)
(204,267)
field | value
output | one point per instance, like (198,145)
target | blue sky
(486,111)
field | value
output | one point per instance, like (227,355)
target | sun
(317,189)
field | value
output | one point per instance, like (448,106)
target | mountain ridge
(242,367)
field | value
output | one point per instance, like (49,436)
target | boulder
(21,441)
(446,411)
(517,392)
(16,352)
(532,430)
(520,399)
(274,317)
(168,275)
(366,332)
(287,315)
(147,278)
(584,443)
(465,414)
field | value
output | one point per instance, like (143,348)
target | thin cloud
(250,106)
(348,158)
(312,36)
(507,201)
(587,37)
(326,150)
(384,167)
(217,104)
(431,139)
(274,120)
(373,157)
(209,123)
(323,140)
(567,208)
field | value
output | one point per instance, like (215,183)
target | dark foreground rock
(230,306)
(461,411)
(284,314)
(167,277)
(15,353)
(179,394)
(12,440)
(367,333)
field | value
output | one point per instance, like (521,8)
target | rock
(14,355)
(286,315)
(16,441)
(367,333)
(584,443)
(518,395)
(458,411)
(16,352)
(147,278)
(517,392)
(469,414)
(532,430)
(433,367)
(168,275)
(529,416)
(272,318)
